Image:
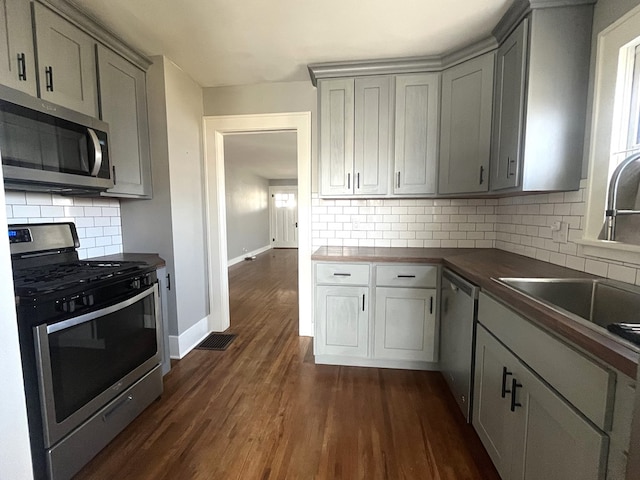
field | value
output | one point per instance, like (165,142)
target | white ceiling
(269,155)
(240,42)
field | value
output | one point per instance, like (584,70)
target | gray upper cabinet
(372,135)
(354,136)
(123,104)
(465,126)
(17,59)
(336,136)
(509,105)
(66,62)
(540,98)
(416,134)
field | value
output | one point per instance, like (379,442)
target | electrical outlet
(560,232)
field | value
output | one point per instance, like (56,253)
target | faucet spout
(612,210)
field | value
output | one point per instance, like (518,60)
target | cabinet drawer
(584,383)
(406,276)
(342,274)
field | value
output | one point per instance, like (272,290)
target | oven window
(89,358)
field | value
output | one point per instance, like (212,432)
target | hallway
(263,410)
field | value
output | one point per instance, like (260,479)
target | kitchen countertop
(481,266)
(150,258)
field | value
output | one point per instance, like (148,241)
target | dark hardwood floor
(263,410)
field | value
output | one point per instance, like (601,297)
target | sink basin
(601,301)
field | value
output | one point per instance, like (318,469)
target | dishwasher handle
(459,282)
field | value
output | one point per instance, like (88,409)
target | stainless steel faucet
(627,166)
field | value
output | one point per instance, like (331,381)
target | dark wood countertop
(482,266)
(150,258)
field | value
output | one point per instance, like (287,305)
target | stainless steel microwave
(46,147)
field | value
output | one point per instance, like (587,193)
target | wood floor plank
(263,410)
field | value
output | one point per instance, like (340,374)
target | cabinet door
(336,136)
(557,442)
(416,133)
(465,127)
(123,105)
(66,62)
(372,130)
(492,419)
(17,60)
(405,324)
(343,320)
(511,63)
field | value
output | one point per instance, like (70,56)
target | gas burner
(62,276)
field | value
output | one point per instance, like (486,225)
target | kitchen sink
(607,303)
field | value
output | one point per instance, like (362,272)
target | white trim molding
(180,345)
(241,258)
(215,128)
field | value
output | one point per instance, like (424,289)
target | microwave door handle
(97,149)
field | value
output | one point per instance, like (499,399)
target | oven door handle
(87,317)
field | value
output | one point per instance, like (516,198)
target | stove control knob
(135,284)
(87,300)
(146,280)
(69,306)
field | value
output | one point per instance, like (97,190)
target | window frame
(610,114)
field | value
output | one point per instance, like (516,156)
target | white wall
(15,453)
(97,219)
(247,204)
(172,223)
(285,97)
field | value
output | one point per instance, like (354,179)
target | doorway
(216,128)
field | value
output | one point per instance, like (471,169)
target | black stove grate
(65,275)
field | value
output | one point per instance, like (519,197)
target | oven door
(86,361)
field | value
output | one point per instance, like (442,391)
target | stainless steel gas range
(89,341)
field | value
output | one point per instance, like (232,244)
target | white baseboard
(241,258)
(180,345)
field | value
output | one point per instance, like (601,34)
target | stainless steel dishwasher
(459,307)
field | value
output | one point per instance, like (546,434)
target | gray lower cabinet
(66,62)
(416,134)
(465,126)
(354,136)
(528,429)
(17,58)
(405,324)
(343,320)
(342,310)
(376,315)
(123,104)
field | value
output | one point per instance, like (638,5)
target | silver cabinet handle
(348,181)
(338,274)
(398,179)
(97,149)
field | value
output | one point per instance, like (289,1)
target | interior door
(284,217)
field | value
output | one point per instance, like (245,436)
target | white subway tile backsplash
(97,219)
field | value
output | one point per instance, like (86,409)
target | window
(285,200)
(615,135)
(622,223)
